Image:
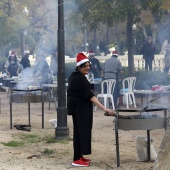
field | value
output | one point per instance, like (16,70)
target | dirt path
(34,154)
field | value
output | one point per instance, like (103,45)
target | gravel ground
(31,155)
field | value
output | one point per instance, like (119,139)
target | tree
(119,11)
(39,24)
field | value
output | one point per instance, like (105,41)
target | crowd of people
(41,68)
(80,95)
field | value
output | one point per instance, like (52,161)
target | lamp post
(22,42)
(23,33)
(134,27)
(97,50)
(85,37)
(61,131)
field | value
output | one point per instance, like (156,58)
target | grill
(137,122)
(27,96)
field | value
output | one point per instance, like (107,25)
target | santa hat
(115,53)
(91,52)
(13,53)
(81,58)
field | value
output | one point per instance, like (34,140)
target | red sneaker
(80,163)
(85,159)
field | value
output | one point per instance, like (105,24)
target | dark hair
(115,56)
(81,65)
(15,59)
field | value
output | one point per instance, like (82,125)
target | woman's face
(12,57)
(85,69)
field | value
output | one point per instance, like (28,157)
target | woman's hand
(110,112)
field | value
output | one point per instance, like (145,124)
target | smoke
(35,76)
(27,78)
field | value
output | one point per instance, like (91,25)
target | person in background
(54,69)
(112,70)
(95,65)
(42,69)
(12,65)
(25,62)
(80,99)
(148,50)
(54,62)
(167,57)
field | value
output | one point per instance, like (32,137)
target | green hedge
(2,62)
(144,79)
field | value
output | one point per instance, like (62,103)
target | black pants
(148,64)
(116,94)
(166,69)
(76,141)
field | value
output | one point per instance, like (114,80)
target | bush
(146,79)
(2,62)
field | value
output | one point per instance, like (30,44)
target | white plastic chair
(128,85)
(110,85)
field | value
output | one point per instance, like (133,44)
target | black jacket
(148,50)
(25,62)
(80,107)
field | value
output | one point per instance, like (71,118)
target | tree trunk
(117,38)
(107,40)
(22,42)
(94,42)
(130,45)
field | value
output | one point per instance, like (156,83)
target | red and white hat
(13,53)
(81,58)
(91,52)
(115,53)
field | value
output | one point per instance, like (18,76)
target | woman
(80,99)
(42,69)
(12,66)
(54,63)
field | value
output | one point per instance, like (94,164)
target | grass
(52,139)
(13,143)
(30,138)
(47,151)
(33,138)
(49,139)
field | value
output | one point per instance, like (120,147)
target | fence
(139,63)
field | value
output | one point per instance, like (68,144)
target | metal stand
(21,100)
(29,115)
(50,96)
(139,124)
